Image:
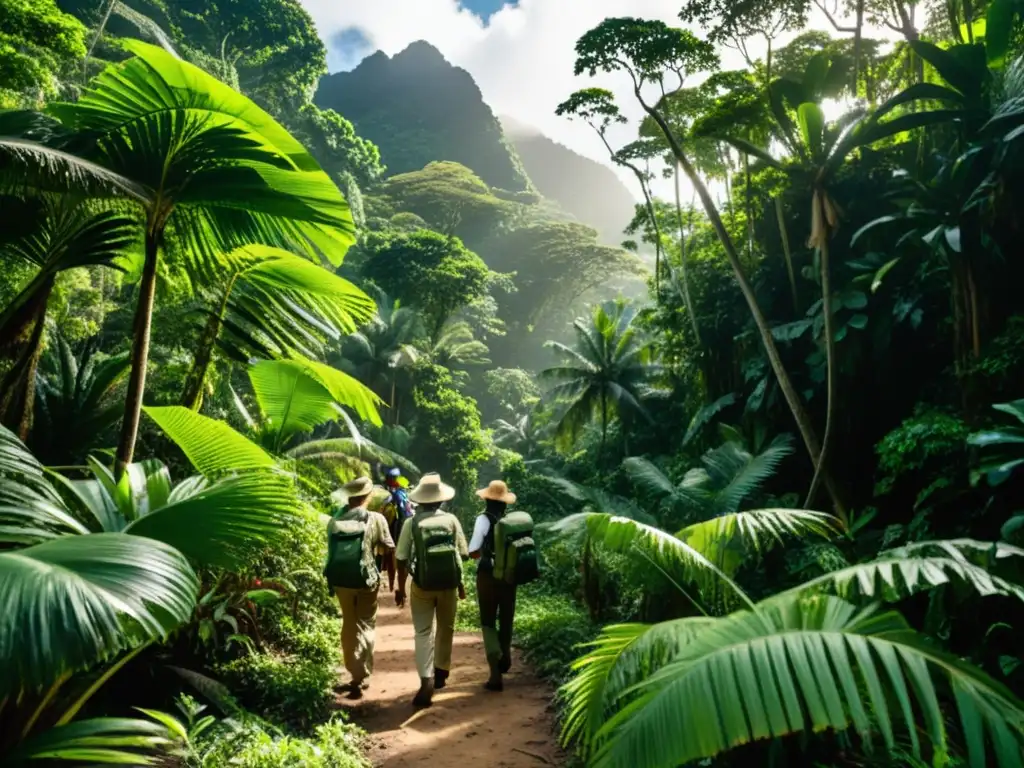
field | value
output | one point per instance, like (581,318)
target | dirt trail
(467,725)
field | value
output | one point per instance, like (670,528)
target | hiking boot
(505,664)
(355,692)
(494,681)
(440,678)
(425,696)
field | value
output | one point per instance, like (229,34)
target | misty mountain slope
(419,109)
(588,190)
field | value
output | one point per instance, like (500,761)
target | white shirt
(481,528)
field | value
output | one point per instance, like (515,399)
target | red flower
(258,583)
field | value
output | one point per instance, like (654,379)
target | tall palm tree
(607,372)
(205,166)
(386,345)
(54,234)
(268,302)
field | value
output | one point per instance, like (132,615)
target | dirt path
(467,725)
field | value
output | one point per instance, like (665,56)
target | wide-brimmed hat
(497,491)
(361,486)
(430,490)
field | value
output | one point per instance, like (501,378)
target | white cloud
(522,59)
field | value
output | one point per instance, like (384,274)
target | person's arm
(403,553)
(384,532)
(460,545)
(476,542)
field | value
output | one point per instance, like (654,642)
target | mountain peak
(420,51)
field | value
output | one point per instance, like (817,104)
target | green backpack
(438,565)
(515,552)
(345,566)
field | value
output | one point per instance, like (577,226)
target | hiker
(396,510)
(353,535)
(433,546)
(503,543)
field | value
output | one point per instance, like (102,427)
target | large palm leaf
(800,665)
(985,567)
(268,302)
(295,396)
(212,446)
(65,602)
(100,740)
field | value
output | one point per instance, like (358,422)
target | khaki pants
(433,649)
(358,629)
(497,600)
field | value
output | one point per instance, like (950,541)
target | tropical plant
(384,347)
(730,475)
(202,163)
(797,661)
(218,522)
(455,346)
(74,401)
(53,234)
(267,302)
(1000,448)
(607,372)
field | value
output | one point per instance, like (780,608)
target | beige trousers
(433,648)
(358,629)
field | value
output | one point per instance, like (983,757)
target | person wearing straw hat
(354,534)
(496,597)
(432,547)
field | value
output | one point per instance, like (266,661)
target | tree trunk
(682,259)
(858,37)
(139,355)
(192,394)
(784,234)
(20,317)
(749,206)
(796,407)
(18,389)
(830,364)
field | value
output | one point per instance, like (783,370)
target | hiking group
(412,534)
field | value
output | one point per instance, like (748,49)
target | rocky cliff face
(418,109)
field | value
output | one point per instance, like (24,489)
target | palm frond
(905,571)
(212,446)
(807,665)
(100,740)
(65,602)
(350,447)
(756,471)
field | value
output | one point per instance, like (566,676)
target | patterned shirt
(377,533)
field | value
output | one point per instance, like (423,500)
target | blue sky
(484,8)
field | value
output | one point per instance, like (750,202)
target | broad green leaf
(65,603)
(998,29)
(97,741)
(212,446)
(812,128)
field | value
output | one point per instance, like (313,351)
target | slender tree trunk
(786,252)
(192,394)
(972,294)
(682,259)
(140,355)
(858,37)
(750,207)
(18,389)
(604,421)
(830,365)
(793,400)
(20,317)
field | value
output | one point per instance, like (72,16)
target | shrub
(315,639)
(286,689)
(334,745)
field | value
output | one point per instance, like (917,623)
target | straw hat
(497,491)
(361,486)
(430,490)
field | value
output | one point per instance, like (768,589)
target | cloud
(521,56)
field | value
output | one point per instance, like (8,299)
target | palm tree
(203,164)
(54,234)
(606,373)
(455,346)
(819,656)
(523,434)
(268,302)
(74,401)
(385,345)
(730,475)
